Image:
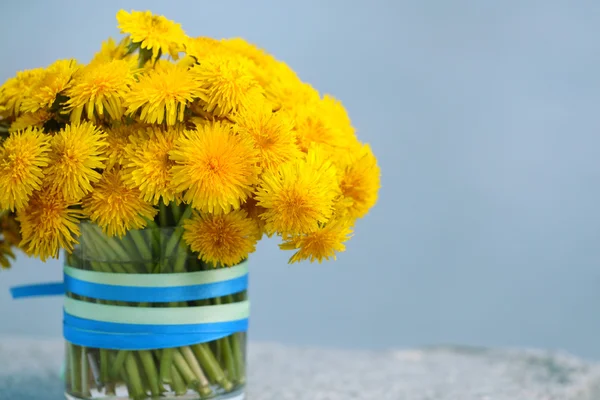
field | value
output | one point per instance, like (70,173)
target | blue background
(484,116)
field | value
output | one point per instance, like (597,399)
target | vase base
(121,394)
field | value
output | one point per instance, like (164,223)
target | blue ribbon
(111,335)
(155,294)
(118,336)
(38,290)
(132,293)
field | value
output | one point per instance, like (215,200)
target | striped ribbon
(126,327)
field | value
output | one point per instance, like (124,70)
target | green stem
(75,368)
(129,246)
(150,370)
(110,386)
(109,248)
(143,248)
(180,258)
(162,214)
(115,248)
(144,56)
(135,380)
(176,211)
(228,359)
(183,368)
(188,374)
(187,213)
(238,354)
(211,365)
(85,389)
(92,248)
(178,383)
(238,357)
(118,364)
(204,385)
(104,376)
(226,351)
(166,361)
(173,242)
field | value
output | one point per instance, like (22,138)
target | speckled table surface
(29,369)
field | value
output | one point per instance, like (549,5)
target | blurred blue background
(484,116)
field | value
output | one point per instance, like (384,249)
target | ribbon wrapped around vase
(121,327)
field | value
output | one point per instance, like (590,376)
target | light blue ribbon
(92,333)
(110,335)
(155,294)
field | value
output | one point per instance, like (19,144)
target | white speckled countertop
(29,370)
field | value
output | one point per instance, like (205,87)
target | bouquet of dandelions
(170,155)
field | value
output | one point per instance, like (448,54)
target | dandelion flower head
(23,156)
(53,80)
(162,95)
(298,196)
(321,244)
(48,223)
(215,167)
(147,163)
(227,84)
(115,207)
(77,154)
(99,89)
(224,239)
(153,32)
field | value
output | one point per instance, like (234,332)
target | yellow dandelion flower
(54,80)
(337,120)
(224,239)
(261,63)
(215,167)
(360,182)
(285,90)
(271,134)
(99,87)
(110,50)
(23,156)
(321,244)
(252,52)
(48,224)
(115,207)
(163,94)
(76,154)
(227,84)
(298,196)
(30,120)
(320,123)
(341,207)
(16,89)
(202,46)
(117,139)
(153,32)
(147,164)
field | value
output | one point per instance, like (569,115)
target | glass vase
(114,347)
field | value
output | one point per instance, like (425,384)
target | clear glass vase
(191,368)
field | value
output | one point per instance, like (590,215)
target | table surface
(29,369)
